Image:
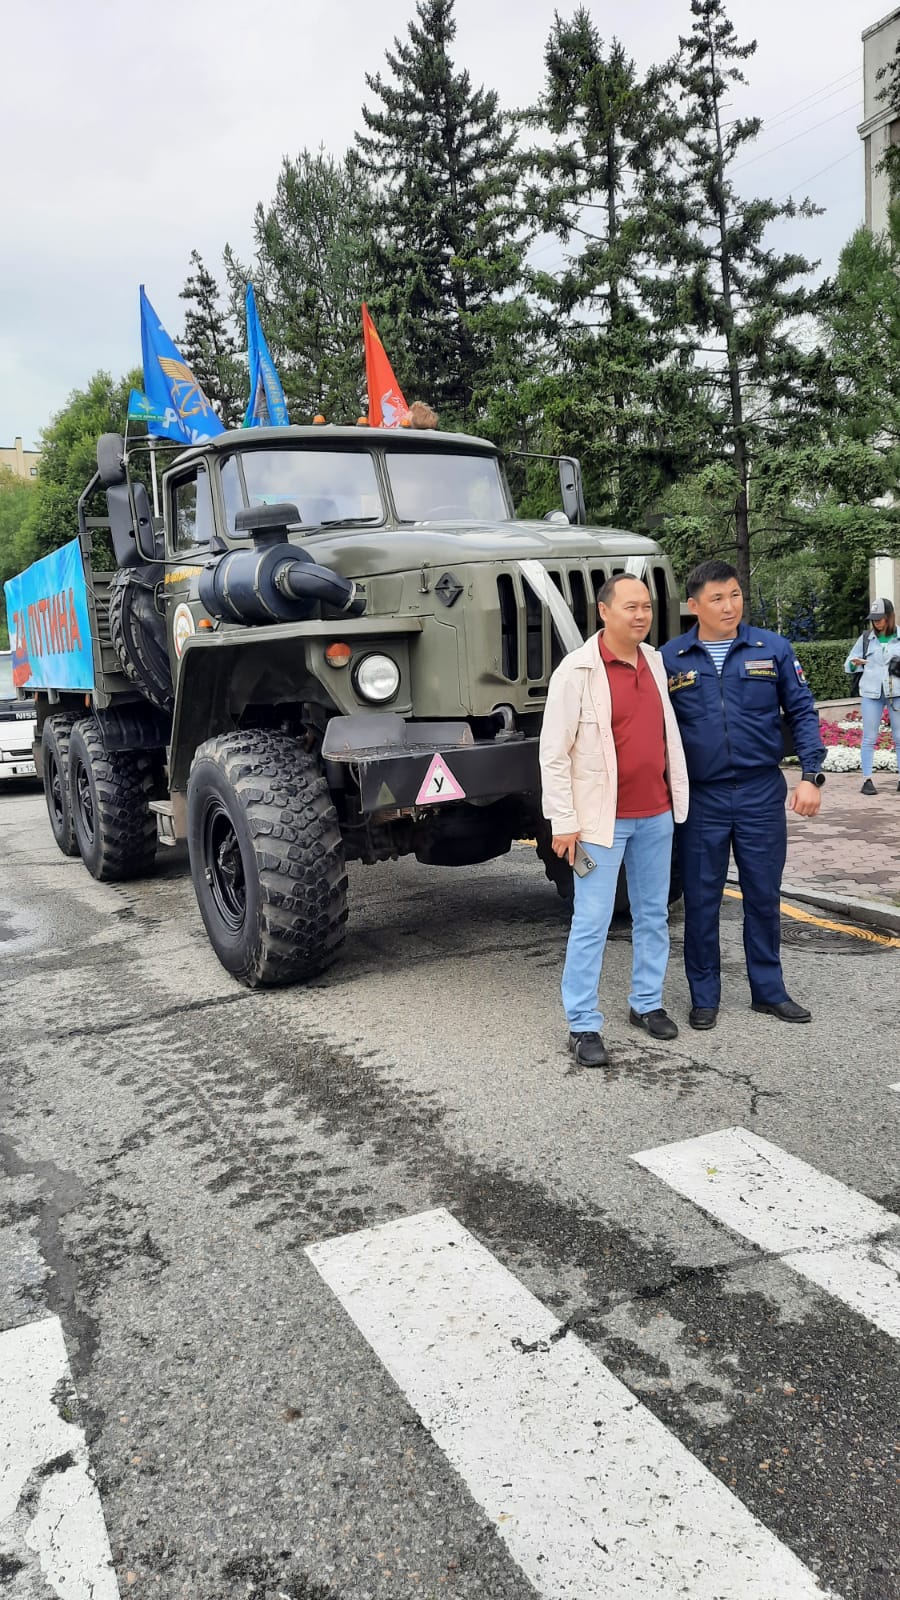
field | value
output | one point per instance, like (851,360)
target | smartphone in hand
(583,863)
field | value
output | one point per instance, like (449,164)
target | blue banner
(49,623)
(171,387)
(267,407)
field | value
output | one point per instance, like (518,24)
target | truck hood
(363,553)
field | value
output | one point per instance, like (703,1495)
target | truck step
(165,821)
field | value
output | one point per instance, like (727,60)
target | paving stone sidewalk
(853,846)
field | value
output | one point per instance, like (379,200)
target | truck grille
(529,645)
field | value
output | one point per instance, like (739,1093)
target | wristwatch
(818,778)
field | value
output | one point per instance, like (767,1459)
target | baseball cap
(879,608)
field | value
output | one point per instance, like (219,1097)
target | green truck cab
(333,644)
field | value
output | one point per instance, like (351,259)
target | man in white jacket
(614,780)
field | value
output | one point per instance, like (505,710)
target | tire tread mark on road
(834,1515)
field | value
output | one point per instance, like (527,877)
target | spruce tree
(721,290)
(439,157)
(613,394)
(311,273)
(208,344)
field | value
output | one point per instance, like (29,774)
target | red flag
(387,407)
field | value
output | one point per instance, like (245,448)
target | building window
(33,471)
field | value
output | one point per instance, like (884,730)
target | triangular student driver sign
(439,784)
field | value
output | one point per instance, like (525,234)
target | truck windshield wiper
(346,522)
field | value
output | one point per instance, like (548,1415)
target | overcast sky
(131,135)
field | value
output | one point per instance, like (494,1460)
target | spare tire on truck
(110,796)
(267,858)
(138,631)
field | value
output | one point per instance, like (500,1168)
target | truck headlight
(376,679)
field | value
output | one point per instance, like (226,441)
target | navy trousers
(747,817)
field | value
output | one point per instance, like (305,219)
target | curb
(871,913)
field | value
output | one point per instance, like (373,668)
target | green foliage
(720,290)
(69,461)
(311,274)
(208,345)
(446,251)
(823,665)
(611,393)
(16,495)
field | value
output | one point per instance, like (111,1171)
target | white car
(17,720)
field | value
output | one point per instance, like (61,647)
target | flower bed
(842,742)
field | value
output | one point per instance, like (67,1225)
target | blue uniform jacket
(731,725)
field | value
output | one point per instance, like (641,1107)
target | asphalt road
(171,1144)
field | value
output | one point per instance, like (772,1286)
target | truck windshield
(326,486)
(7,688)
(428,485)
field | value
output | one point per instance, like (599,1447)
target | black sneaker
(658,1024)
(869,787)
(588,1049)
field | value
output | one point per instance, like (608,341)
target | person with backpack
(875,662)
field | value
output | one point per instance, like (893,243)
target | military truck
(332,644)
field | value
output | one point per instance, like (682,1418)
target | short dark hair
(708,572)
(608,589)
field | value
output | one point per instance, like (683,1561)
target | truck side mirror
(111,460)
(147,537)
(571,489)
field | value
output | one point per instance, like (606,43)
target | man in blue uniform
(729,684)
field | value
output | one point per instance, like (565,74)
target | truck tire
(138,632)
(109,797)
(266,857)
(55,736)
(557,871)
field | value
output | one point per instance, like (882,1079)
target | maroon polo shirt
(639,731)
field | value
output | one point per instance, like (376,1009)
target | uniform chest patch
(761,669)
(682,680)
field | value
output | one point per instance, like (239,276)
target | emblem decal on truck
(182,627)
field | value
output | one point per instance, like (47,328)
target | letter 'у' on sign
(439,784)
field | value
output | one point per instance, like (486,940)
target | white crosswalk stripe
(837,1238)
(50,1511)
(593,1496)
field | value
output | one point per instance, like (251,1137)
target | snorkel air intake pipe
(274,581)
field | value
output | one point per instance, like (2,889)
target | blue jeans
(645,845)
(871,721)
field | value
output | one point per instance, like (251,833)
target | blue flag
(174,393)
(267,407)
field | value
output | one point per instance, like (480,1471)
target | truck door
(189,530)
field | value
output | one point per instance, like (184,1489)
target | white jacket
(579,771)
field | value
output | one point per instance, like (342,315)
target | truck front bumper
(402,765)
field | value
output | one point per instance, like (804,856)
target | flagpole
(154,477)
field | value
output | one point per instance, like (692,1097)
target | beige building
(24,463)
(879,127)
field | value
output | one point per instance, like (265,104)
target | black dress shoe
(785,1010)
(703,1016)
(658,1023)
(868,787)
(588,1049)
